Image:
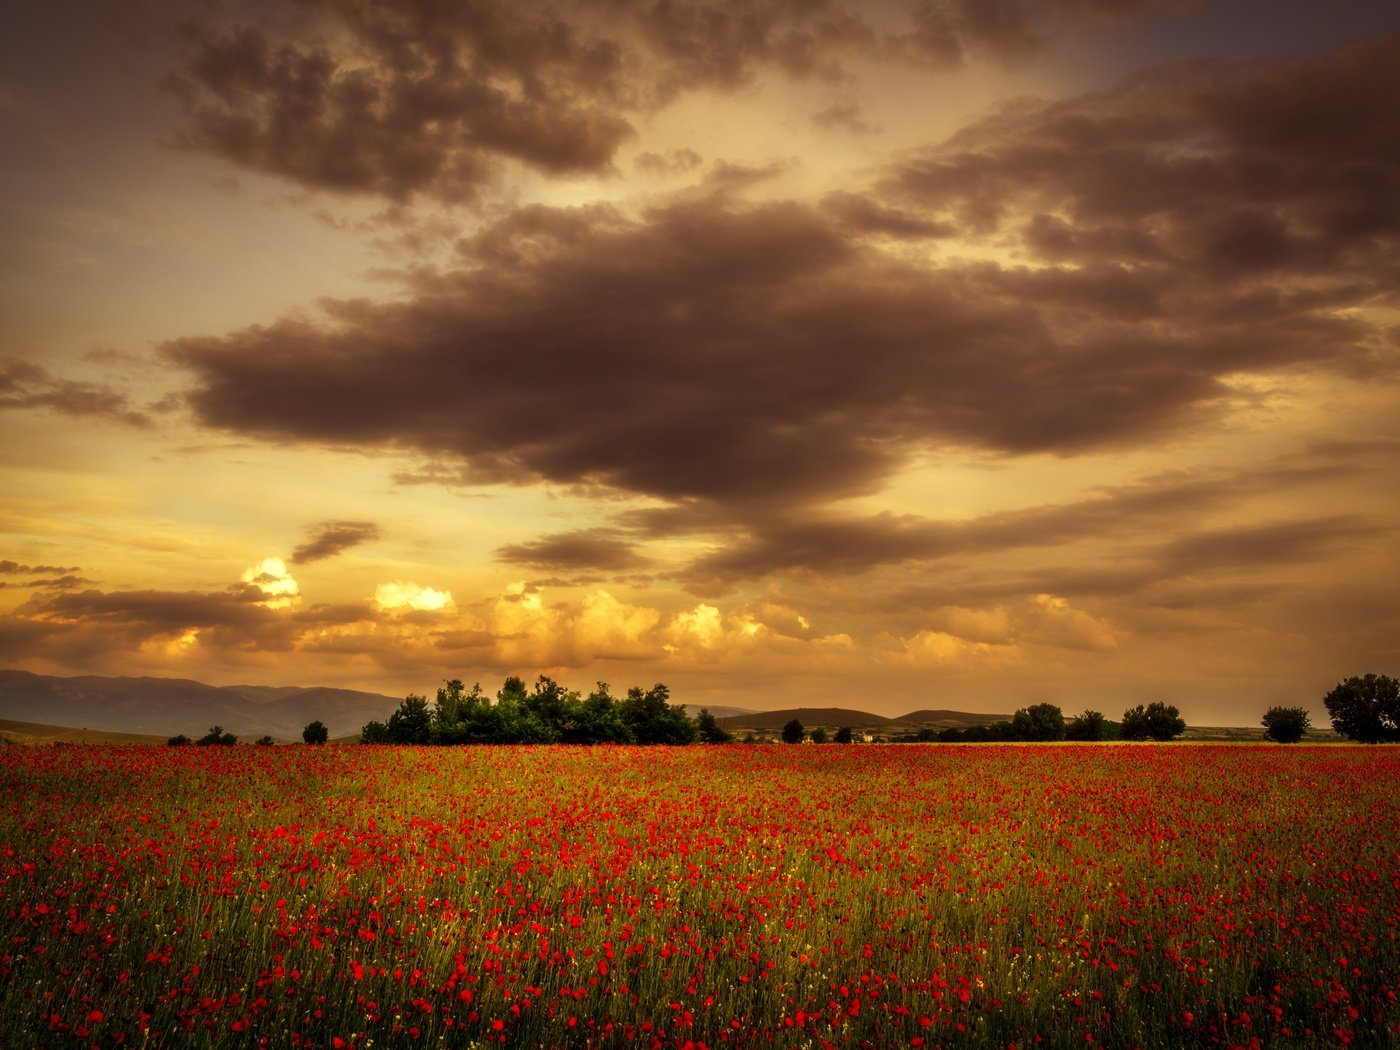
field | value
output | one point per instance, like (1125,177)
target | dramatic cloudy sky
(954,353)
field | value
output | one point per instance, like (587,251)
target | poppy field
(981,895)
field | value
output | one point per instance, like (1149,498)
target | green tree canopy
(1038,722)
(1286,725)
(315,733)
(1366,709)
(1156,721)
(1091,725)
(710,730)
(793,732)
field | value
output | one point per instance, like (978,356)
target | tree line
(1362,708)
(548,713)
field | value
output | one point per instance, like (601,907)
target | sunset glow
(885,355)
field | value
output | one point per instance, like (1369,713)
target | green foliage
(1156,721)
(264,741)
(710,730)
(374,733)
(1286,725)
(1091,725)
(314,733)
(549,713)
(844,735)
(654,720)
(1366,709)
(818,735)
(216,737)
(180,740)
(412,723)
(1038,722)
(793,732)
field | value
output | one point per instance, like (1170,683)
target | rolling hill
(166,706)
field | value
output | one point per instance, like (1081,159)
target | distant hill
(166,706)
(940,719)
(810,717)
(718,710)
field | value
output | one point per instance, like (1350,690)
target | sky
(954,354)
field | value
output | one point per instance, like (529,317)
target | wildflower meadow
(760,896)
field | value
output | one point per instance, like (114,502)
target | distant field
(991,895)
(14,732)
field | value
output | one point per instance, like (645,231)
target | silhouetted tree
(1366,709)
(710,730)
(375,732)
(1038,722)
(818,735)
(216,737)
(793,732)
(412,723)
(1156,721)
(1286,725)
(264,741)
(1091,725)
(179,740)
(652,719)
(315,733)
(844,735)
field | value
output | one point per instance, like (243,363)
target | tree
(315,733)
(179,740)
(1156,721)
(818,735)
(599,720)
(710,730)
(375,732)
(652,719)
(844,735)
(216,737)
(1038,722)
(1366,709)
(793,732)
(1286,725)
(412,723)
(265,741)
(1091,725)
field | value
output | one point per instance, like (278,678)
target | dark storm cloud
(1283,179)
(748,364)
(421,98)
(331,538)
(25,385)
(602,549)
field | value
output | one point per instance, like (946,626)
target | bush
(1285,725)
(216,737)
(844,735)
(264,741)
(315,733)
(179,741)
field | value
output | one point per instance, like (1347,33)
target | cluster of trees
(546,714)
(1365,708)
(1043,722)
